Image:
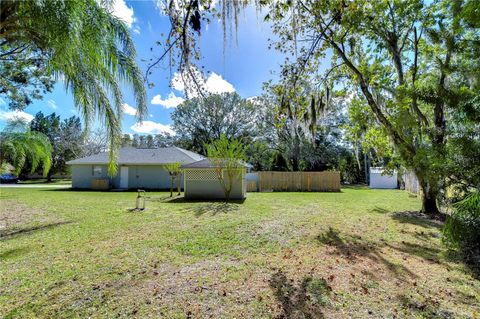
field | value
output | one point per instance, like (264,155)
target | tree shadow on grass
(418,219)
(304,300)
(353,248)
(13,252)
(7,234)
(212,208)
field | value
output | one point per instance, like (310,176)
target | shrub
(462,228)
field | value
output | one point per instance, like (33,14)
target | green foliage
(411,66)
(462,228)
(66,138)
(23,79)
(200,120)
(86,47)
(19,146)
(174,171)
(226,155)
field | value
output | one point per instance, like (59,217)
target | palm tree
(18,147)
(84,45)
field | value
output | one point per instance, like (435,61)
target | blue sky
(243,67)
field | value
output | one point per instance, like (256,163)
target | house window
(96,170)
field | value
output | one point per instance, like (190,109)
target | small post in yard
(140,198)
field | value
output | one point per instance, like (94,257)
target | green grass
(358,253)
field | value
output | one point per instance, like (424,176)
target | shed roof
(146,156)
(209,163)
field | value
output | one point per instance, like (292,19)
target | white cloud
(14,115)
(127,109)
(163,8)
(171,101)
(136,29)
(52,104)
(214,83)
(150,127)
(123,12)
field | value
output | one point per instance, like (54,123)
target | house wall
(84,175)
(150,177)
(211,188)
(139,176)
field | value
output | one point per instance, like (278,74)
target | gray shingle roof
(208,163)
(147,156)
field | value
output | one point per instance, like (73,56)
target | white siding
(377,180)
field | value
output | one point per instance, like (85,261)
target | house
(201,180)
(137,168)
(380,179)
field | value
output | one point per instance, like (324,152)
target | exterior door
(124,177)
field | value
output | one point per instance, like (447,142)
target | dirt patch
(16,218)
(14,214)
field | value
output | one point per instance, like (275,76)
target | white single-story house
(201,181)
(137,168)
(380,179)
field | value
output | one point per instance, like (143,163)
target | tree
(18,144)
(164,140)
(226,156)
(126,140)
(83,44)
(199,120)
(64,136)
(409,61)
(23,79)
(175,172)
(95,142)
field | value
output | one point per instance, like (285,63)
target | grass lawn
(355,254)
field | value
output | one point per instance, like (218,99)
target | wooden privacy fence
(411,183)
(298,181)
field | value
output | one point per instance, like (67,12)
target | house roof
(146,156)
(209,163)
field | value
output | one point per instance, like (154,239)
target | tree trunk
(429,198)
(171,186)
(49,176)
(178,184)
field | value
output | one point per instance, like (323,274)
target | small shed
(380,179)
(201,180)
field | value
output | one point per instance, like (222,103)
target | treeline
(274,141)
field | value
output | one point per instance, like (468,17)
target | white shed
(378,179)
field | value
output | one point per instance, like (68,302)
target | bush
(462,229)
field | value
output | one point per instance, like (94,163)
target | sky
(242,68)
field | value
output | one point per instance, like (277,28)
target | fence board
(299,181)
(252,186)
(411,183)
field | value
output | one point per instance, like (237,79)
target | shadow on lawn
(7,234)
(304,300)
(212,208)
(418,219)
(353,248)
(13,252)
